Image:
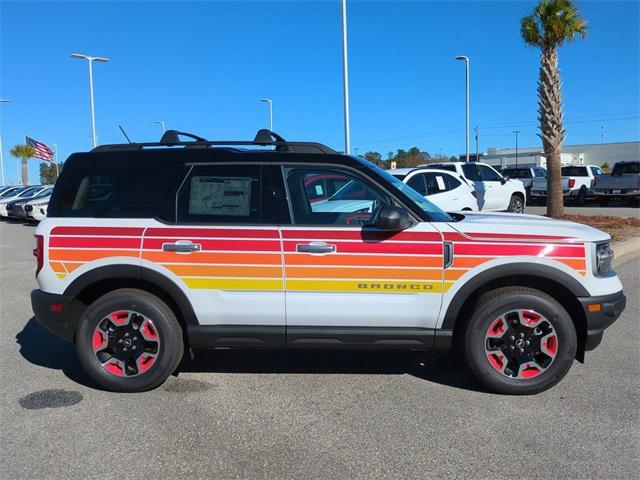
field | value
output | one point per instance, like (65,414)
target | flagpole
(55,159)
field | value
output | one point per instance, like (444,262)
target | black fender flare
(482,279)
(136,273)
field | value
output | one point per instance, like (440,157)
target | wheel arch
(93,284)
(555,283)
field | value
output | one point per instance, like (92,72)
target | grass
(620,228)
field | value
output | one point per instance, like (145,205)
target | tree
(552,24)
(48,172)
(605,167)
(23,152)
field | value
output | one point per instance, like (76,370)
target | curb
(625,250)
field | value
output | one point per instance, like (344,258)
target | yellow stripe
(234,283)
(364,286)
(61,275)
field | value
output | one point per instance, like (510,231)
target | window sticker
(220,196)
(440,182)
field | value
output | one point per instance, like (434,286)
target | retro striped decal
(250,259)
(478,248)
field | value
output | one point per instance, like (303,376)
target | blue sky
(202,66)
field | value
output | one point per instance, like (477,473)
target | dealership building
(589,154)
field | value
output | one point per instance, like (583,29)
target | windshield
(11,192)
(28,192)
(516,173)
(425,205)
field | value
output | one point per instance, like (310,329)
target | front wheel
(519,341)
(516,204)
(129,341)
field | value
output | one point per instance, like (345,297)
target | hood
(519,224)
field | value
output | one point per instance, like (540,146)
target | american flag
(42,151)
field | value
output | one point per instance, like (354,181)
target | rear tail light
(38,252)
(572,182)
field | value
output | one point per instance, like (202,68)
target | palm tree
(552,24)
(24,152)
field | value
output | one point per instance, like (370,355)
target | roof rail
(264,138)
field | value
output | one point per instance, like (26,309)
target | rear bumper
(600,313)
(54,313)
(621,193)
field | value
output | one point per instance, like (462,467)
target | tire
(516,204)
(540,367)
(139,320)
(528,196)
(582,197)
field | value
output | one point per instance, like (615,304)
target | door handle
(315,247)
(181,246)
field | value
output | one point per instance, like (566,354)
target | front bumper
(54,312)
(600,313)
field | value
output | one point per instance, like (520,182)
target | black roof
(266,147)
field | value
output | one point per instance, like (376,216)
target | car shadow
(41,347)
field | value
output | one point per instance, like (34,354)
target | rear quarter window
(103,192)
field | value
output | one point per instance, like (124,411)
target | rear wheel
(516,204)
(582,197)
(129,341)
(519,341)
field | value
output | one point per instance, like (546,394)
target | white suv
(495,192)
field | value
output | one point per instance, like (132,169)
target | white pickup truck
(577,183)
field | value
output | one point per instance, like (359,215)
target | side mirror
(504,180)
(394,219)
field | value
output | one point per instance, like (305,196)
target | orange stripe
(578,264)
(86,255)
(225,271)
(454,274)
(57,267)
(364,260)
(204,257)
(72,266)
(469,262)
(361,273)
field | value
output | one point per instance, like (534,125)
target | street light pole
(477,158)
(93,116)
(161,123)
(466,63)
(2,100)
(516,132)
(270,103)
(345,80)
(602,134)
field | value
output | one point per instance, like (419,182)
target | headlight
(604,258)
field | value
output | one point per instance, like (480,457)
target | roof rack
(264,138)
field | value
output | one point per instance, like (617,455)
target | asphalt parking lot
(306,415)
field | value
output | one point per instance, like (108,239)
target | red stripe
(108,231)
(186,233)
(95,242)
(471,237)
(508,250)
(365,235)
(231,245)
(398,248)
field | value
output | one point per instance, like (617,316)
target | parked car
(495,192)
(16,208)
(577,183)
(11,191)
(525,175)
(18,194)
(217,247)
(36,210)
(443,188)
(624,182)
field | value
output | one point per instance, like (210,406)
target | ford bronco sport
(151,249)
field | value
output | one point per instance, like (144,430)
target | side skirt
(314,337)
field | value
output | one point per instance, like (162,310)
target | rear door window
(470,171)
(224,194)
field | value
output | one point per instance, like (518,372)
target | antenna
(124,133)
